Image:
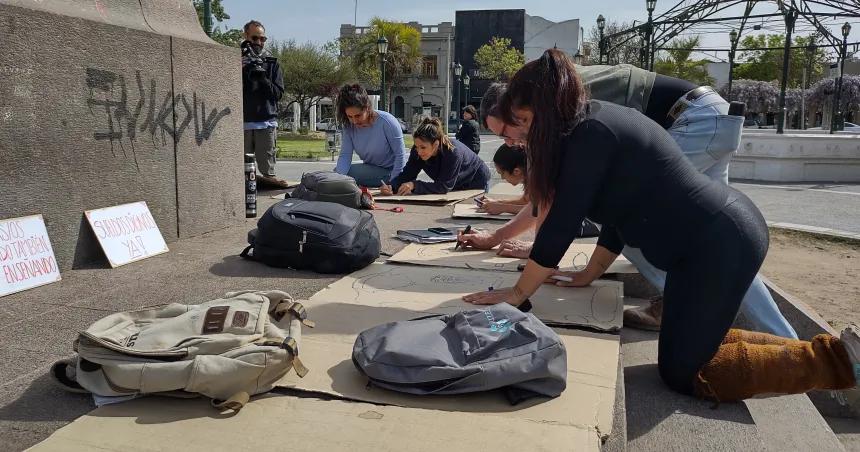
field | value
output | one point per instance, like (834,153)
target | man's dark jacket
(261,94)
(468,135)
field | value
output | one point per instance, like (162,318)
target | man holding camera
(262,88)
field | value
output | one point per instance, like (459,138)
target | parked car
(327,124)
(851,127)
(751,124)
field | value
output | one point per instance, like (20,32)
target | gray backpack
(330,186)
(479,350)
(227,349)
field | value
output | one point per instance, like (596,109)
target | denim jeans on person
(367,175)
(709,137)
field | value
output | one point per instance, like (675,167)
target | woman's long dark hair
(431,131)
(490,102)
(553,91)
(509,158)
(353,95)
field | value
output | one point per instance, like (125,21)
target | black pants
(704,289)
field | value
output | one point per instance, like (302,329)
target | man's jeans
(367,175)
(709,138)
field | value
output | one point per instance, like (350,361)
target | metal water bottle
(250,186)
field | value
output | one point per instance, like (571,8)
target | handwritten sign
(26,257)
(127,233)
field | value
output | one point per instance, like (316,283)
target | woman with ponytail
(450,164)
(613,165)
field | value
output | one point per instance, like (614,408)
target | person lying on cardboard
(510,162)
(450,164)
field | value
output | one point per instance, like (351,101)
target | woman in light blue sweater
(374,135)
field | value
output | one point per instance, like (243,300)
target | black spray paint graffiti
(108,90)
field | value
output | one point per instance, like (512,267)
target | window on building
(429,67)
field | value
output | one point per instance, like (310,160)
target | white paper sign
(26,257)
(127,233)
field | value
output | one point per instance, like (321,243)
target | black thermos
(250,186)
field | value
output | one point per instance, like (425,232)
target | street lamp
(382,49)
(807,75)
(207,17)
(733,42)
(836,121)
(466,82)
(601,23)
(650,5)
(458,71)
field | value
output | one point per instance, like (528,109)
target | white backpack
(227,349)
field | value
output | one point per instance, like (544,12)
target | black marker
(465,231)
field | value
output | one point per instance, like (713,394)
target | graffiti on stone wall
(163,118)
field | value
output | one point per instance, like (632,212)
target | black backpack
(309,235)
(330,186)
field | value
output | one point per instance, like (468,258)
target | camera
(256,62)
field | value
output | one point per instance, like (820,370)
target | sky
(319,20)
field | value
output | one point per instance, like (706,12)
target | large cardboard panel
(592,360)
(444,255)
(83,124)
(277,422)
(440,290)
(443,198)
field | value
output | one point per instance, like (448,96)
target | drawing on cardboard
(468,210)
(444,255)
(442,198)
(440,290)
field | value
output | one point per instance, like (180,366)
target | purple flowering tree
(760,97)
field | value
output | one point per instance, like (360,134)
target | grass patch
(408,140)
(301,148)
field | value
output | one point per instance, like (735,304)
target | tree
(766,65)
(403,57)
(760,97)
(620,50)
(498,60)
(821,94)
(677,62)
(230,36)
(311,72)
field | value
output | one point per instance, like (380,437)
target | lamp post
(422,99)
(601,23)
(733,38)
(790,18)
(207,17)
(650,5)
(458,71)
(836,121)
(807,75)
(382,49)
(466,82)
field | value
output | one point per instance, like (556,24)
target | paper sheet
(504,190)
(587,402)
(470,210)
(444,255)
(450,197)
(440,290)
(278,422)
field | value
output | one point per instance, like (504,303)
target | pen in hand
(465,231)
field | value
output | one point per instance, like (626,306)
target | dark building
(473,30)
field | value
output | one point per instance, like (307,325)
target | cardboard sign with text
(127,233)
(26,257)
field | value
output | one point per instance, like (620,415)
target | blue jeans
(709,137)
(367,175)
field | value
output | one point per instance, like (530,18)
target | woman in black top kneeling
(611,164)
(450,164)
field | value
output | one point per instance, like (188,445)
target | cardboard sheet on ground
(586,403)
(444,255)
(443,199)
(440,290)
(278,422)
(466,210)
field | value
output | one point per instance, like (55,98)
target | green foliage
(766,65)
(229,36)
(311,72)
(403,58)
(678,63)
(497,60)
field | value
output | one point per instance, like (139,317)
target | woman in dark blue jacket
(450,164)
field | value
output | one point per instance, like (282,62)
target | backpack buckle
(292,346)
(303,241)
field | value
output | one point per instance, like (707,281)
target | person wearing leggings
(696,118)
(597,160)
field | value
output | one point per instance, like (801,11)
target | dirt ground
(824,273)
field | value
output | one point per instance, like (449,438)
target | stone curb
(815,230)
